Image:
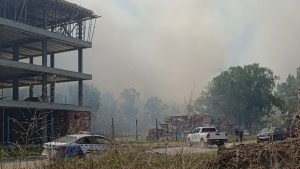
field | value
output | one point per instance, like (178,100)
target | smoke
(162,48)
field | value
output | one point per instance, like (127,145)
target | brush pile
(277,155)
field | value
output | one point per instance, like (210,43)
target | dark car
(271,134)
(291,133)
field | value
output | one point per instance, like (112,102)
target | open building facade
(32,33)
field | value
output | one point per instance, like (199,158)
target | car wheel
(203,144)
(220,144)
(88,155)
(189,143)
(258,141)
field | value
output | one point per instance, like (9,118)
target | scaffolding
(58,16)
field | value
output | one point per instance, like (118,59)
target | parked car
(291,133)
(271,134)
(206,136)
(246,133)
(79,145)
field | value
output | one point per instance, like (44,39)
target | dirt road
(190,150)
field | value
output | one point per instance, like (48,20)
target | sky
(163,47)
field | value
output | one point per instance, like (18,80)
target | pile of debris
(285,154)
(179,126)
(155,134)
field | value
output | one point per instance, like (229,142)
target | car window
(92,140)
(65,139)
(196,130)
(268,130)
(84,140)
(101,140)
(206,130)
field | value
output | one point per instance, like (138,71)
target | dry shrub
(132,157)
(277,155)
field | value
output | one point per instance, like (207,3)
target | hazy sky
(162,47)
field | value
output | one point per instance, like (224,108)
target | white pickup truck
(206,136)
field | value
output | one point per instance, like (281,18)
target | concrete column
(80,82)
(4,9)
(0,50)
(80,68)
(16,53)
(15,81)
(52,85)
(16,10)
(80,92)
(31,85)
(45,16)
(44,76)
(31,60)
(44,90)
(52,60)
(44,52)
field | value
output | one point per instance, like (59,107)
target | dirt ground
(191,150)
(276,155)
(183,150)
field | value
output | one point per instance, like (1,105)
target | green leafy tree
(128,107)
(155,108)
(242,93)
(288,92)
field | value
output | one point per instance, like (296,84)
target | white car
(206,136)
(76,145)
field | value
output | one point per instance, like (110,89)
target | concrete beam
(37,69)
(41,105)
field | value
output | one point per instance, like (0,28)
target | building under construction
(34,31)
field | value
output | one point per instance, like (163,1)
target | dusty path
(190,150)
(183,150)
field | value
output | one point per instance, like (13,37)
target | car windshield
(268,130)
(65,139)
(204,130)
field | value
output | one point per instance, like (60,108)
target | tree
(155,108)
(242,93)
(128,106)
(288,91)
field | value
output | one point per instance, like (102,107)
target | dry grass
(133,157)
(276,155)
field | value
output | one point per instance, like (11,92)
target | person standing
(241,134)
(236,132)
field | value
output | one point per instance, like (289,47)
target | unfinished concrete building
(40,29)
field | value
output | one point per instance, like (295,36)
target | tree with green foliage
(128,107)
(155,108)
(242,93)
(288,91)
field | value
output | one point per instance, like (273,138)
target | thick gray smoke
(163,47)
